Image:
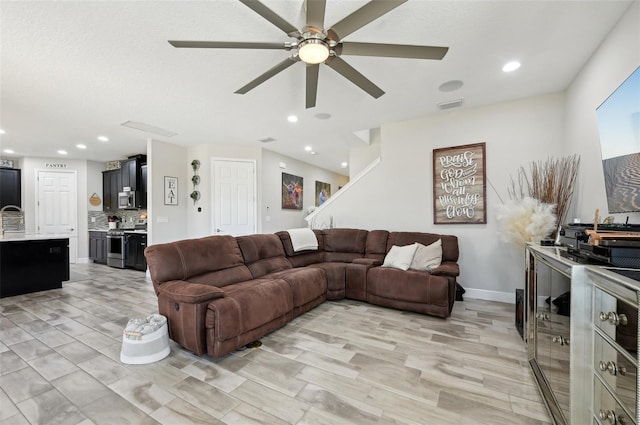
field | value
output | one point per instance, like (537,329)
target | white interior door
(57,206)
(234,197)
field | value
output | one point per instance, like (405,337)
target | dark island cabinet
(98,247)
(33,265)
(135,243)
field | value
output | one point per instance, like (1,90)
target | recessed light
(103,138)
(2,131)
(511,66)
(9,151)
(313,153)
(81,146)
(344,165)
(62,152)
(292,118)
(307,148)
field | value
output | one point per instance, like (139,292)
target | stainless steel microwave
(127,200)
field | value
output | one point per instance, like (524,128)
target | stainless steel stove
(116,248)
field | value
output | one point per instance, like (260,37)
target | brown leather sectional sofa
(222,292)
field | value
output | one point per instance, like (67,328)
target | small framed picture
(170,190)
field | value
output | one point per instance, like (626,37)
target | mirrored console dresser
(581,326)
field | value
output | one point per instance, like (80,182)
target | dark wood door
(111,186)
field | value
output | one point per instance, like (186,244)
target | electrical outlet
(93,219)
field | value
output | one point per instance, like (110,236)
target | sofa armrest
(448,268)
(187,292)
(368,261)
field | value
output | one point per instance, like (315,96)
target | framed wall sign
(170,190)
(459,185)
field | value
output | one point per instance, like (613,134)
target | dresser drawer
(617,371)
(606,408)
(617,319)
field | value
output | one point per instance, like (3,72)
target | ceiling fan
(314,45)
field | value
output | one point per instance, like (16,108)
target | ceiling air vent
(450,104)
(266,140)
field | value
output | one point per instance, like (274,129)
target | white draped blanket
(303,239)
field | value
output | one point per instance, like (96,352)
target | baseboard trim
(82,260)
(485,294)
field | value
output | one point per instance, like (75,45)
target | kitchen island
(32,262)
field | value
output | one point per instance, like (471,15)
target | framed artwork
(459,185)
(323,192)
(292,191)
(170,190)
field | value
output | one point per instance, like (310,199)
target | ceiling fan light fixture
(313,51)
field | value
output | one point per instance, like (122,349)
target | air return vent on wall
(148,128)
(450,104)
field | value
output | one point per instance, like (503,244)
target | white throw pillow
(427,257)
(399,257)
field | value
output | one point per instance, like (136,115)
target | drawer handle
(542,316)
(560,340)
(610,416)
(612,368)
(614,318)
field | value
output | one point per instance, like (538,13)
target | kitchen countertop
(144,232)
(22,236)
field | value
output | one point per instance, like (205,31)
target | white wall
(360,157)
(398,193)
(94,185)
(613,62)
(166,223)
(271,178)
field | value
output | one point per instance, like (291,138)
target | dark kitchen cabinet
(143,188)
(130,170)
(10,187)
(98,247)
(135,243)
(111,186)
(33,265)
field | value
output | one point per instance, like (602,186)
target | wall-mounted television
(619,128)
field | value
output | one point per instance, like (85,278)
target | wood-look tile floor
(345,362)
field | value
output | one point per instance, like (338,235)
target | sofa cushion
(302,258)
(410,286)
(336,278)
(376,245)
(345,240)
(181,260)
(449,242)
(400,257)
(427,257)
(248,305)
(263,254)
(307,284)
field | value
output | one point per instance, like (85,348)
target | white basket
(148,349)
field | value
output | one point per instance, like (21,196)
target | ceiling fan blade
(312,85)
(272,17)
(348,72)
(226,45)
(393,50)
(264,77)
(361,17)
(315,13)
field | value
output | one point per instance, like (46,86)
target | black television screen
(619,128)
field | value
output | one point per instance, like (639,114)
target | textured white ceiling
(73,70)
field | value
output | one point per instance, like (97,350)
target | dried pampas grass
(551,182)
(525,220)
